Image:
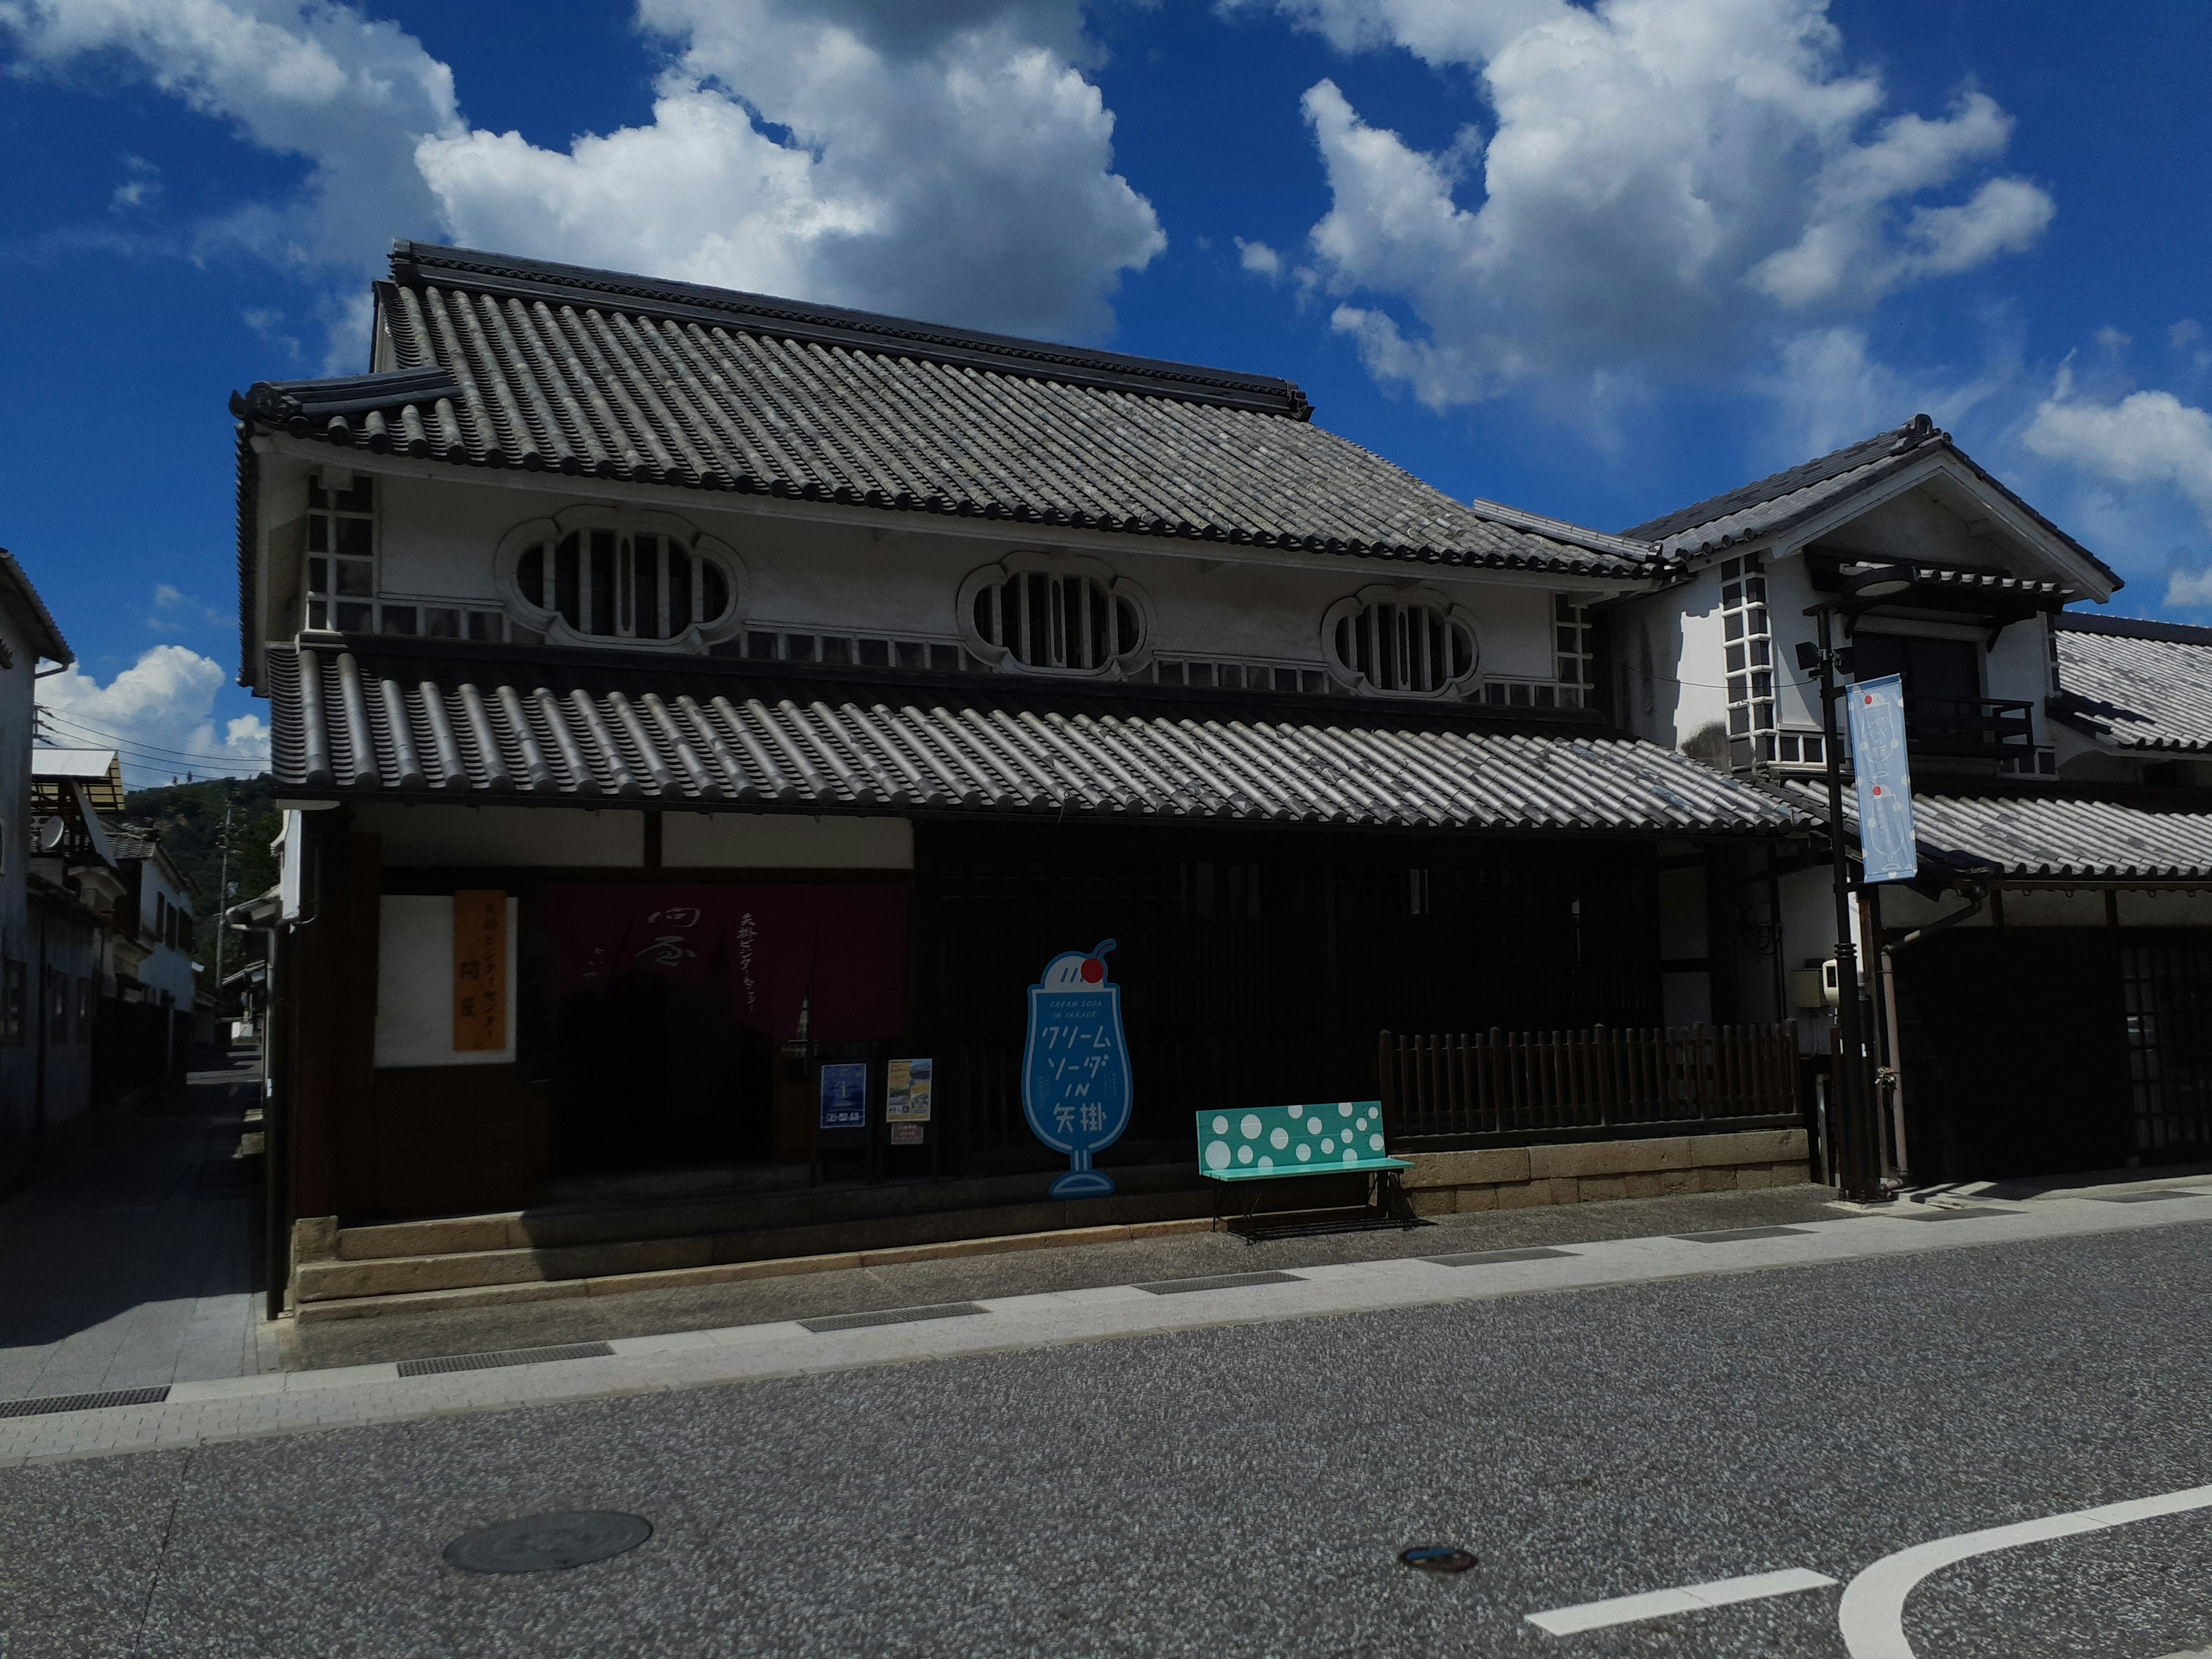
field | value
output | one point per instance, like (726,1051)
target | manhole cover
(548,1543)
(1437,1558)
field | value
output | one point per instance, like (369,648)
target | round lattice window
(1401,643)
(1053,616)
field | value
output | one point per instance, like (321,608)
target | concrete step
(491,1295)
(557,1226)
(463,1254)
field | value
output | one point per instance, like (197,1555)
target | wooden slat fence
(1525,1082)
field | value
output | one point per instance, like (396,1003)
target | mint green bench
(1280,1143)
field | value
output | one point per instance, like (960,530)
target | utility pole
(222,910)
(1856,1156)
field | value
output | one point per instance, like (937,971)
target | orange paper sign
(479,970)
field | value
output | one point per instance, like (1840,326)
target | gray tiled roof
(2053,833)
(576,728)
(1787,499)
(1753,509)
(2136,684)
(507,362)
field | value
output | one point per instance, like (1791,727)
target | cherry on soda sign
(1075,1066)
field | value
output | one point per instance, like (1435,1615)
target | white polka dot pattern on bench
(1345,1131)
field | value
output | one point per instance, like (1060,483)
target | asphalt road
(1243,1491)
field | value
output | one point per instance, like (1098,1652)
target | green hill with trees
(187,818)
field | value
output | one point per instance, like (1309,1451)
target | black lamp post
(1852,1123)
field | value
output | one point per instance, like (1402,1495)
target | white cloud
(1659,174)
(1259,258)
(2113,339)
(1829,390)
(2145,439)
(950,161)
(2187,590)
(160,712)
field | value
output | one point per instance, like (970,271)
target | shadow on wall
(1709,745)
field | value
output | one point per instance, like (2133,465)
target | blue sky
(1595,261)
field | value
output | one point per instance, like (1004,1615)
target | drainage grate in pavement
(1217,1282)
(84,1402)
(504,1357)
(1730,1235)
(1483,1258)
(548,1543)
(893,1316)
(2140,1198)
(1929,1212)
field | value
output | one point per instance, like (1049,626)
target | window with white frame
(342,590)
(1573,642)
(1401,643)
(598,576)
(1749,646)
(1044,613)
(342,553)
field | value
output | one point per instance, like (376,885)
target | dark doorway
(2013,1052)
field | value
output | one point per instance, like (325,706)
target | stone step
(490,1295)
(480,1252)
(556,1226)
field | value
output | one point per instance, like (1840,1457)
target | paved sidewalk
(129,1268)
(200,1413)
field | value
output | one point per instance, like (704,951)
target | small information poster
(479,970)
(909,1134)
(845,1096)
(906,1099)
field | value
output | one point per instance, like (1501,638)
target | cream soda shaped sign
(1075,1066)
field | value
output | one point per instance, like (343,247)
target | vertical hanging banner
(1075,1066)
(479,970)
(1886,842)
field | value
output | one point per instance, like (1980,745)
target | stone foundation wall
(1581,1172)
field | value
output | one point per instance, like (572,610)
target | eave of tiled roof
(2045,833)
(367,717)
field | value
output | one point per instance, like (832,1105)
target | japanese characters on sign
(906,1094)
(479,970)
(1075,1066)
(1887,839)
(845,1096)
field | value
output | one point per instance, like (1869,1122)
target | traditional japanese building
(2042,988)
(757,685)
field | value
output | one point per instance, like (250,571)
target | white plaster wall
(2019,666)
(784,842)
(439,537)
(415,985)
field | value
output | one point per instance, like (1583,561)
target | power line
(119,739)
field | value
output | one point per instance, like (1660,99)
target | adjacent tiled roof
(2053,833)
(2136,684)
(1787,499)
(423,722)
(507,362)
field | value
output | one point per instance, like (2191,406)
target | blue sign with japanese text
(845,1096)
(1075,1066)
(1887,840)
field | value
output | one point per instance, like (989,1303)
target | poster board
(415,1000)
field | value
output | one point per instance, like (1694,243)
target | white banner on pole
(1885,780)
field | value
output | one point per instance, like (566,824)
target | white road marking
(1873,1610)
(1686,1598)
